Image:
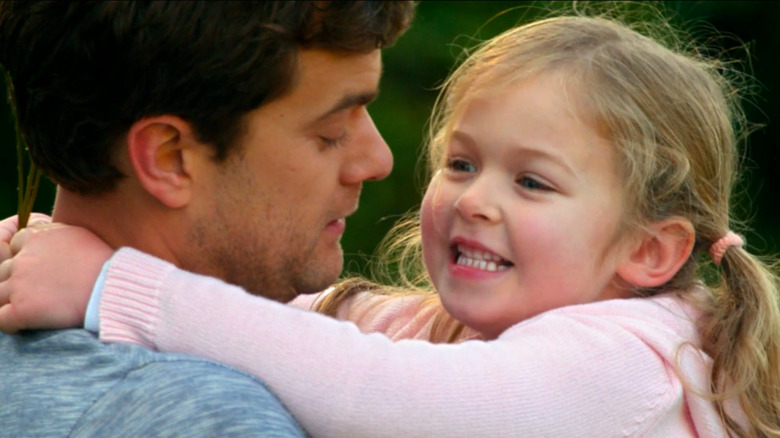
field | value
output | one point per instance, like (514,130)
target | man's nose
(371,158)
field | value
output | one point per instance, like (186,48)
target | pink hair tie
(727,241)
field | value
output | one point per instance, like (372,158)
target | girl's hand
(10,225)
(48,280)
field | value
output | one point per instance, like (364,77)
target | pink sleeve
(552,376)
(307,302)
(397,317)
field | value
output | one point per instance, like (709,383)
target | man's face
(270,218)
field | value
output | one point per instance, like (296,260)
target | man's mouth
(341,221)
(336,225)
(479,259)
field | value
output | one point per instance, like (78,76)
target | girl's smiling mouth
(476,258)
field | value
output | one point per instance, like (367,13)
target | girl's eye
(461,165)
(530,183)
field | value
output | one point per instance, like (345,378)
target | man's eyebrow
(349,101)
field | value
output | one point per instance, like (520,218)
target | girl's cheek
(433,211)
(432,227)
(427,213)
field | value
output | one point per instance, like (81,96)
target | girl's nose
(479,202)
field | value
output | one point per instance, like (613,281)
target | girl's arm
(557,375)
(58,299)
(397,316)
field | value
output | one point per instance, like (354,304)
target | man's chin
(320,276)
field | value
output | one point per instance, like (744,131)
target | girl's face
(524,214)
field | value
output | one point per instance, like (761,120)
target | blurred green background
(422,58)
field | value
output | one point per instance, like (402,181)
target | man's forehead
(330,82)
(318,66)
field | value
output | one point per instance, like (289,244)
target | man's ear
(659,252)
(157,148)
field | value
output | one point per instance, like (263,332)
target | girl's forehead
(568,81)
(570,96)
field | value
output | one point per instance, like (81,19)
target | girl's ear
(660,251)
(157,148)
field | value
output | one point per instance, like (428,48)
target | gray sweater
(66,383)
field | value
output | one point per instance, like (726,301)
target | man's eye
(333,141)
(461,165)
(530,183)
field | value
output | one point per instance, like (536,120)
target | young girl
(581,171)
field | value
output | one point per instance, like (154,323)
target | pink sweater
(603,369)
(397,317)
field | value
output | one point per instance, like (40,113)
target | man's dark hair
(84,72)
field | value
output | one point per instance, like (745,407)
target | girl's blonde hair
(675,120)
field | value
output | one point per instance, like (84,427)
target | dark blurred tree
(424,56)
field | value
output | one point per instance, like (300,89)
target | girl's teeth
(478,254)
(479,259)
(482,265)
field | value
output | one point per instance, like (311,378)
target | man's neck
(118,220)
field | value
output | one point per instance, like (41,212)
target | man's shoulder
(158,394)
(191,397)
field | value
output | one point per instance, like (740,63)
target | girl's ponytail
(742,334)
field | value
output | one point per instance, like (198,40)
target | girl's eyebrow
(556,159)
(519,149)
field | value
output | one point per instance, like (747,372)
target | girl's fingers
(8,227)
(5,271)
(5,251)
(18,240)
(8,321)
(38,220)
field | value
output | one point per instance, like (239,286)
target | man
(229,138)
